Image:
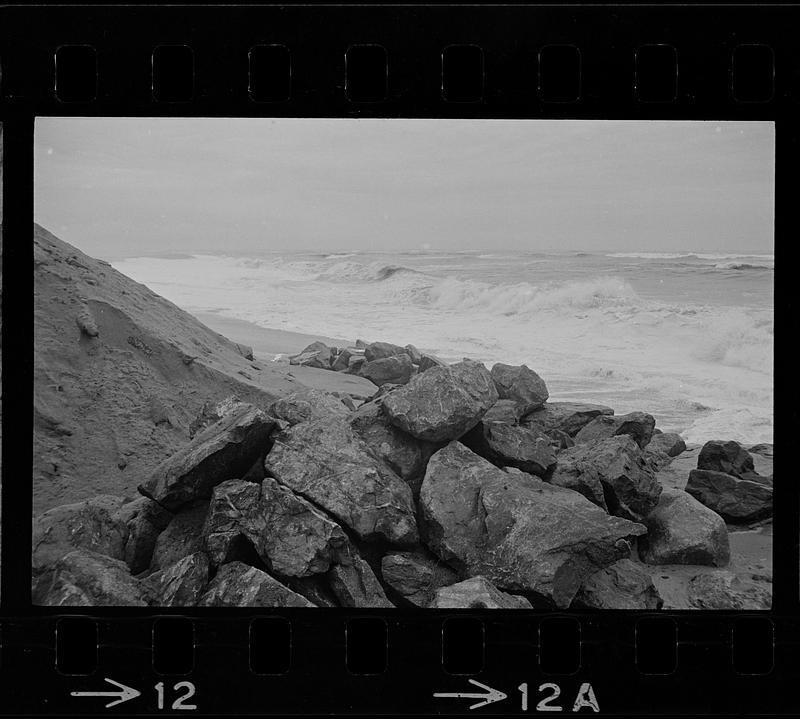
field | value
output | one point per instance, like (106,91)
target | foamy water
(687,337)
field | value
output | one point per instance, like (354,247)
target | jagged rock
(517,531)
(506,445)
(504,410)
(224,450)
(558,438)
(427,361)
(145,520)
(735,500)
(305,405)
(314,588)
(96,524)
(414,353)
(233,504)
(342,361)
(636,424)
(83,578)
(381,350)
(764,449)
(568,417)
(612,473)
(182,537)
(680,530)
(622,585)
(404,455)
(442,403)
(727,457)
(212,412)
(239,585)
(476,593)
(327,463)
(181,584)
(416,576)
(669,443)
(355,363)
(394,370)
(317,354)
(521,384)
(355,584)
(726,590)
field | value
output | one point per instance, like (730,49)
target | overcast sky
(116,187)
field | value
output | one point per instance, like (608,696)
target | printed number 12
(179,702)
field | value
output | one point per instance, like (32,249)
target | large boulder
(317,355)
(223,451)
(727,457)
(404,454)
(442,403)
(612,473)
(668,443)
(504,410)
(355,584)
(415,576)
(181,584)
(233,504)
(97,524)
(305,405)
(239,585)
(389,370)
(182,537)
(83,578)
(382,350)
(680,530)
(145,520)
(507,445)
(728,591)
(638,425)
(735,500)
(476,593)
(567,417)
(622,585)
(327,463)
(517,531)
(521,384)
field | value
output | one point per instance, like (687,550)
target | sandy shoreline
(266,342)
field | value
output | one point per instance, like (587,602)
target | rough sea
(687,337)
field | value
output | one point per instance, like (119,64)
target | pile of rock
(457,487)
(379,362)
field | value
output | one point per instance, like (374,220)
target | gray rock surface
(612,473)
(182,537)
(308,404)
(521,384)
(381,350)
(669,443)
(515,530)
(239,585)
(427,361)
(416,576)
(97,524)
(680,530)
(476,593)
(327,463)
(726,590)
(568,417)
(317,355)
(504,410)
(83,578)
(145,520)
(404,454)
(395,370)
(181,584)
(735,500)
(638,425)
(622,585)
(728,457)
(355,584)
(503,444)
(443,402)
(225,450)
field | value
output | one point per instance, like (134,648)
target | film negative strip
(398,359)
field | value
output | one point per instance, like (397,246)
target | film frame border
(607,38)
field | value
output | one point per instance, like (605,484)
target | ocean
(687,337)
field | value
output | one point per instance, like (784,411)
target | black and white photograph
(386,363)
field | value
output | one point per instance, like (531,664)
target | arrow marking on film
(124,694)
(489,696)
